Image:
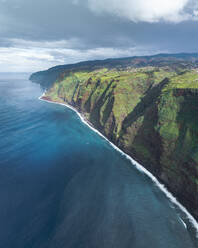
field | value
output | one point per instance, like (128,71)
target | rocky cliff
(149,112)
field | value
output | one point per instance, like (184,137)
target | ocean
(63,185)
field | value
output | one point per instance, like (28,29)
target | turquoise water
(62,185)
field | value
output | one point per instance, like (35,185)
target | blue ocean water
(62,185)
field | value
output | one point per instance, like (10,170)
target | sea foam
(138,166)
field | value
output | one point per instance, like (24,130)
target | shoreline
(138,166)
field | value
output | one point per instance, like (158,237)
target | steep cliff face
(150,113)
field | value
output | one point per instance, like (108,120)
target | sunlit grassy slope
(150,112)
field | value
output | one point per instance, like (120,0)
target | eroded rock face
(150,113)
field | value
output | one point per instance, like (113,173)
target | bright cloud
(147,10)
(28,56)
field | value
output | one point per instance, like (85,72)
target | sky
(38,34)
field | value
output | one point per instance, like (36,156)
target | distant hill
(182,60)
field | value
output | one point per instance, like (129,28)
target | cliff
(149,112)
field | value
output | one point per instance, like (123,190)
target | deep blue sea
(62,185)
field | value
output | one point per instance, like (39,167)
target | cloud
(14,59)
(69,43)
(33,37)
(147,10)
(28,56)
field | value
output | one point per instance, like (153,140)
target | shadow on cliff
(186,146)
(147,138)
(95,112)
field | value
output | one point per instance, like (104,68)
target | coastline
(138,166)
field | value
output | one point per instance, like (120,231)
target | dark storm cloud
(52,20)
(48,32)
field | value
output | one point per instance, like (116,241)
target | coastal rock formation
(150,112)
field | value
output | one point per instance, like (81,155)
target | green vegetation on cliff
(149,112)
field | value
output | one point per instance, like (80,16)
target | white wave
(137,165)
(183,223)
